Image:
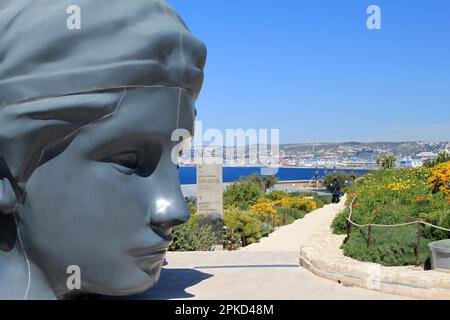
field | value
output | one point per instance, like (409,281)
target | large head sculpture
(87,177)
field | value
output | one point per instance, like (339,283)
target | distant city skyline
(313,70)
(366,142)
(338,143)
(326,155)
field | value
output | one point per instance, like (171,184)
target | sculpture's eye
(140,160)
(126,160)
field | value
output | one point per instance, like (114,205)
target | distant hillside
(357,149)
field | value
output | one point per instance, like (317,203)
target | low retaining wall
(403,281)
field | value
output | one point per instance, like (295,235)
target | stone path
(266,271)
(293,236)
(246,276)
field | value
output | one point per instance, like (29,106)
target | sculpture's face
(106,199)
(108,202)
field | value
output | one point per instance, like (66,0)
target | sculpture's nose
(168,206)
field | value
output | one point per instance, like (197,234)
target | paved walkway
(293,236)
(266,271)
(248,276)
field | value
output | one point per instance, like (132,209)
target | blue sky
(312,69)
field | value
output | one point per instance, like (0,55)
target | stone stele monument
(89,190)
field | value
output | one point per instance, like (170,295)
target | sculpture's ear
(8,195)
(8,199)
(8,202)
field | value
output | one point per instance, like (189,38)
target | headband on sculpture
(131,46)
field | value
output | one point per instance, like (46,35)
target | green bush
(182,238)
(389,246)
(193,237)
(326,199)
(266,229)
(297,214)
(289,220)
(339,225)
(243,228)
(302,194)
(289,215)
(276,195)
(203,237)
(320,203)
(243,194)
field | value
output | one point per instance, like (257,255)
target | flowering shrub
(304,204)
(298,203)
(246,226)
(397,196)
(266,212)
(243,228)
(440,179)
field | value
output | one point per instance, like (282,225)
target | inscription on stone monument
(210,192)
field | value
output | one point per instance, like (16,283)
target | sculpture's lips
(154,256)
(150,252)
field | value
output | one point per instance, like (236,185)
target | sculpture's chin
(143,279)
(149,275)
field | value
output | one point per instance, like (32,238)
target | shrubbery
(275,209)
(321,200)
(289,215)
(439,179)
(242,228)
(193,236)
(396,196)
(389,246)
(243,194)
(250,214)
(339,225)
(276,195)
(266,212)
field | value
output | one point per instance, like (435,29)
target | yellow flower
(398,186)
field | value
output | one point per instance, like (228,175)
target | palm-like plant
(264,182)
(269,182)
(387,161)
